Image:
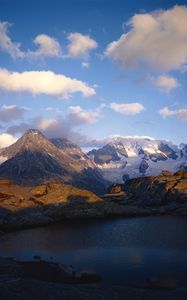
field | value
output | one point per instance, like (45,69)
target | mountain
(34,159)
(73,150)
(125,157)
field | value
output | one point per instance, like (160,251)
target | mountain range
(34,159)
(127,157)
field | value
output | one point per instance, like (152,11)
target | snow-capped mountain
(128,157)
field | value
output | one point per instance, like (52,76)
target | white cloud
(158,40)
(127,108)
(179,113)
(11,112)
(6,44)
(47,46)
(6,140)
(165,83)
(85,64)
(43,82)
(80,45)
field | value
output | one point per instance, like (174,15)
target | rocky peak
(33,132)
(110,152)
(183,150)
(168,151)
(34,159)
(32,140)
(105,154)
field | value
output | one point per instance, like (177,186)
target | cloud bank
(43,82)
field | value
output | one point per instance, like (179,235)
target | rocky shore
(49,281)
(54,202)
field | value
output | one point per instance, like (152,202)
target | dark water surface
(121,251)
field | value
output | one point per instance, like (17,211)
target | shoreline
(135,212)
(16,284)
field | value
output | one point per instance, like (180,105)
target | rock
(166,173)
(158,190)
(39,191)
(179,191)
(37,257)
(181,173)
(83,278)
(114,189)
(163,283)
(54,272)
(143,166)
(5,182)
(52,202)
(23,207)
(4,195)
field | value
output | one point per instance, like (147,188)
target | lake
(125,251)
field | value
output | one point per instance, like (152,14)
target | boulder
(4,195)
(181,173)
(5,182)
(147,190)
(166,173)
(39,191)
(114,189)
(179,191)
(158,190)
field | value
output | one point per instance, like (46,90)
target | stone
(181,173)
(166,173)
(114,189)
(39,191)
(4,195)
(143,166)
(5,182)
(157,190)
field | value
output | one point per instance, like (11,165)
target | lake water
(122,251)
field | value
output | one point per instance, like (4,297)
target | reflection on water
(121,251)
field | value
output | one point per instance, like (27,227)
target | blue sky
(87,69)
